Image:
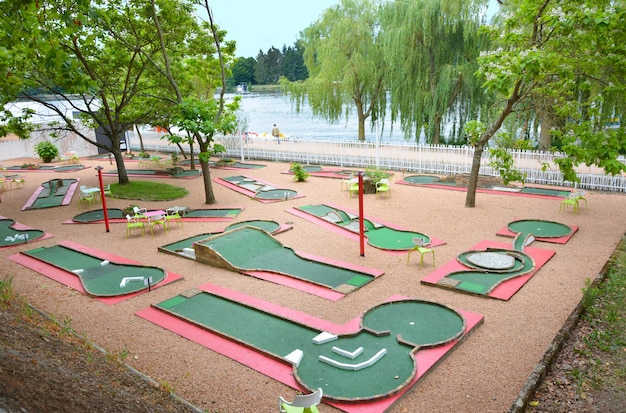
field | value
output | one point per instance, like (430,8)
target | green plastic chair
(302,403)
(419,246)
(383,186)
(86,199)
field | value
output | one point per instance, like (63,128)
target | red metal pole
(103,198)
(361,225)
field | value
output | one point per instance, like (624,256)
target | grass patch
(148,191)
(6,292)
(605,312)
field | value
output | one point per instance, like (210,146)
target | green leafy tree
(243,70)
(293,67)
(572,53)
(201,118)
(268,68)
(431,48)
(95,56)
(346,65)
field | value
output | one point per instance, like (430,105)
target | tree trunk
(545,140)
(436,129)
(193,159)
(208,188)
(470,200)
(141,148)
(361,128)
(122,175)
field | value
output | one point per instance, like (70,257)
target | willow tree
(431,48)
(346,66)
(574,54)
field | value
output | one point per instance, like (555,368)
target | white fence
(434,159)
(65,143)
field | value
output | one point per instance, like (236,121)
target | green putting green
(98,215)
(373,363)
(491,267)
(378,235)
(429,179)
(490,274)
(116,213)
(226,212)
(421,179)
(276,194)
(161,172)
(100,277)
(252,249)
(261,190)
(540,228)
(9,235)
(269,226)
(179,246)
(52,193)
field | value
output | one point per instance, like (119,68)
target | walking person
(276,133)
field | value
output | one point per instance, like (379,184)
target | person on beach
(276,133)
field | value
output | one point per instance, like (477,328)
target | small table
(180,210)
(152,215)
(90,190)
(156,218)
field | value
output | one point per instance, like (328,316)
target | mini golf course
(449,183)
(53,193)
(13,233)
(184,247)
(100,278)
(234,165)
(326,172)
(116,215)
(47,168)
(174,172)
(250,249)
(107,277)
(259,190)
(362,366)
(378,235)
(498,270)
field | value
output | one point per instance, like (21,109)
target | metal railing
(539,166)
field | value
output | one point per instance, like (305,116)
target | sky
(258,25)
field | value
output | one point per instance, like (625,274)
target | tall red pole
(103,198)
(361,225)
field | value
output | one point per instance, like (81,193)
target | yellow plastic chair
(139,212)
(419,246)
(173,216)
(86,199)
(573,199)
(3,184)
(345,183)
(18,182)
(107,190)
(302,403)
(353,187)
(383,186)
(133,223)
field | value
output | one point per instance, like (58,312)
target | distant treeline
(268,67)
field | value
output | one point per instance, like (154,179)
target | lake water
(260,112)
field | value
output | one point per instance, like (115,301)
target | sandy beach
(484,373)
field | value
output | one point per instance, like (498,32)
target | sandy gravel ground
(485,373)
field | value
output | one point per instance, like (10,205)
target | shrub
(46,151)
(300,175)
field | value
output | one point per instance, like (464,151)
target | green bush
(300,175)
(46,151)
